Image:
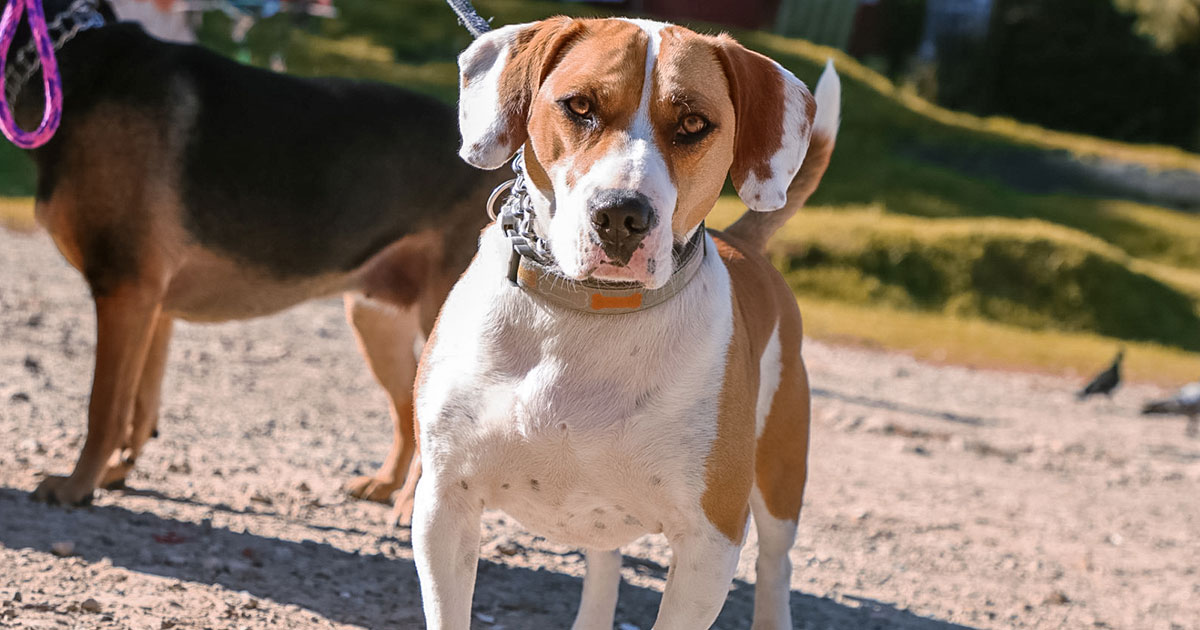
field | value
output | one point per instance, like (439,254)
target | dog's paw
(372,489)
(402,510)
(114,476)
(60,490)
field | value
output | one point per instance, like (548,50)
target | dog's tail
(756,228)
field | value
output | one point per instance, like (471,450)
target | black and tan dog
(185,186)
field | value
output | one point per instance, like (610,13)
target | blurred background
(1015,183)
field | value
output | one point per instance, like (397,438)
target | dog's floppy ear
(499,74)
(774,113)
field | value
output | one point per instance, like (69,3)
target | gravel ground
(939,497)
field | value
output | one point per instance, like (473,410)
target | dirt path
(939,497)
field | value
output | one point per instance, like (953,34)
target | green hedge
(1005,273)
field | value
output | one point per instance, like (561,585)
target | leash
(51,79)
(469,18)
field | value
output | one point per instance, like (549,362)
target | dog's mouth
(635,273)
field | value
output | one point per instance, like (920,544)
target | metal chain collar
(516,216)
(82,15)
(531,266)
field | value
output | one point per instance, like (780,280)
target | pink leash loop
(50,77)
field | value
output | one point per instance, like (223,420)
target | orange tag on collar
(603,302)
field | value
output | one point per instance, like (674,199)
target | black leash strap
(469,18)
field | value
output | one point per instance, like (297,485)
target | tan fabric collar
(608,298)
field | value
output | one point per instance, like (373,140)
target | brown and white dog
(681,419)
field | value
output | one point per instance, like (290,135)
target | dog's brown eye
(579,105)
(692,124)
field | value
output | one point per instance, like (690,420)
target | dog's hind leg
(145,408)
(773,585)
(404,498)
(125,323)
(387,336)
(598,605)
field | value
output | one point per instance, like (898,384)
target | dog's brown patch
(689,79)
(781,460)
(777,463)
(757,90)
(729,471)
(531,57)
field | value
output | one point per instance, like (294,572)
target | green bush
(16,171)
(1023,275)
(1081,66)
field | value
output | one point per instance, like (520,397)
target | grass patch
(16,171)
(17,214)
(984,344)
(1027,275)
(1021,272)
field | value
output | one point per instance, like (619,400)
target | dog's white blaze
(636,163)
(770,369)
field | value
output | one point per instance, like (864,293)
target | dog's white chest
(590,430)
(575,459)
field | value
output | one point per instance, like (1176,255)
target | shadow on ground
(375,590)
(889,405)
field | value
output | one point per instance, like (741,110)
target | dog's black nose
(621,219)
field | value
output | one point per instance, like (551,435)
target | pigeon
(1106,381)
(1185,402)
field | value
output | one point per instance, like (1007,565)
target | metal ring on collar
(499,190)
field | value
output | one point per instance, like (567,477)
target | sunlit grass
(947,334)
(985,344)
(17,214)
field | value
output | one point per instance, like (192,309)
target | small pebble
(1057,598)
(63,549)
(90,605)
(508,548)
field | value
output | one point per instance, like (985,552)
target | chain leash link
(80,16)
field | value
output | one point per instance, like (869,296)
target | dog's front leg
(702,568)
(145,409)
(125,323)
(386,336)
(446,520)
